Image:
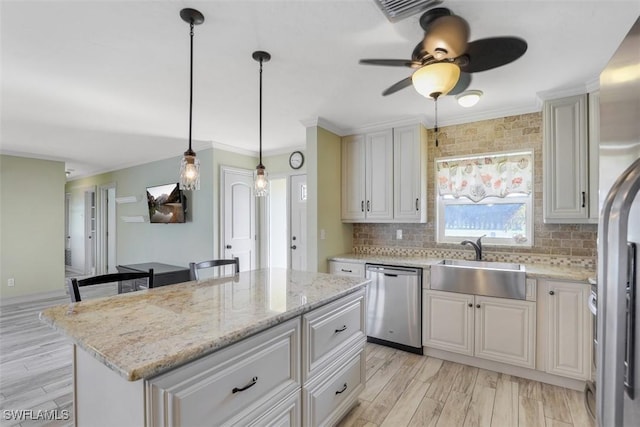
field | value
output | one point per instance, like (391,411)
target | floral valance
(495,175)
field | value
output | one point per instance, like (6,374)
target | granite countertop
(142,334)
(534,271)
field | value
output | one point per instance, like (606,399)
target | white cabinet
(448,321)
(490,328)
(367,177)
(569,330)
(505,330)
(384,176)
(352,269)
(333,359)
(410,174)
(570,143)
(243,381)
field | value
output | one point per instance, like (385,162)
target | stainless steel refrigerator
(618,311)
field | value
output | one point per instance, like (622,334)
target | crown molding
(323,123)
(590,85)
(487,115)
(374,127)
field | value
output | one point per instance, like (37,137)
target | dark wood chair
(195,266)
(75,284)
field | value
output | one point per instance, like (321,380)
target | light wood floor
(405,389)
(402,389)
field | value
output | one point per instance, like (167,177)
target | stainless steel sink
(496,279)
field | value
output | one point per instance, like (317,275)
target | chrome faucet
(477,246)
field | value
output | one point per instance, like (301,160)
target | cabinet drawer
(328,401)
(329,330)
(215,389)
(346,268)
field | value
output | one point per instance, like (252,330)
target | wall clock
(296,160)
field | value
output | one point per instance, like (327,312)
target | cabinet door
(448,321)
(505,330)
(565,152)
(569,329)
(353,178)
(409,175)
(379,176)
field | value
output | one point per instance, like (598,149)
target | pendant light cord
(436,121)
(260,120)
(191,88)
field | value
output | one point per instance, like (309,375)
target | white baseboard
(21,299)
(530,374)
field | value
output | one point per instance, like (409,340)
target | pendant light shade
(435,79)
(260,176)
(190,165)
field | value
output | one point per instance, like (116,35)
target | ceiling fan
(444,59)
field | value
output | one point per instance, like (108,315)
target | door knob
(228,246)
(294,247)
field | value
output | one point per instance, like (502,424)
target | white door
(448,321)
(298,206)
(569,333)
(238,235)
(505,330)
(90,232)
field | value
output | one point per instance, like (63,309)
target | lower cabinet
(491,328)
(308,370)
(340,268)
(569,329)
(242,382)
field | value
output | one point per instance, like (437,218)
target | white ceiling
(103,85)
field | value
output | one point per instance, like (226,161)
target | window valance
(478,177)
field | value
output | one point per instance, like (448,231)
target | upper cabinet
(570,153)
(410,174)
(384,176)
(367,177)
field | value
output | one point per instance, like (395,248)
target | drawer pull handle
(344,388)
(344,328)
(253,382)
(344,270)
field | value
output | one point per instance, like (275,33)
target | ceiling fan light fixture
(469,98)
(435,79)
(447,37)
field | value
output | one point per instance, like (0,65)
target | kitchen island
(264,346)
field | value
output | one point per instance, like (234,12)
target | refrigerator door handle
(592,304)
(629,365)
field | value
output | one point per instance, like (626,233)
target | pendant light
(190,165)
(260,176)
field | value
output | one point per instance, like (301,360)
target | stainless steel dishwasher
(394,307)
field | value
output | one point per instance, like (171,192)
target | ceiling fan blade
(388,62)
(464,81)
(485,54)
(398,86)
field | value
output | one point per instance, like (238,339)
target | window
(488,195)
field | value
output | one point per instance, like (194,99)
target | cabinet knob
(228,246)
(551,293)
(294,247)
(477,305)
(470,304)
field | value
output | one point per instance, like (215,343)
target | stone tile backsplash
(559,244)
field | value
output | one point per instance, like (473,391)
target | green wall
(31,225)
(324,189)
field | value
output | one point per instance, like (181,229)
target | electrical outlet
(398,234)
(11,281)
(323,235)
